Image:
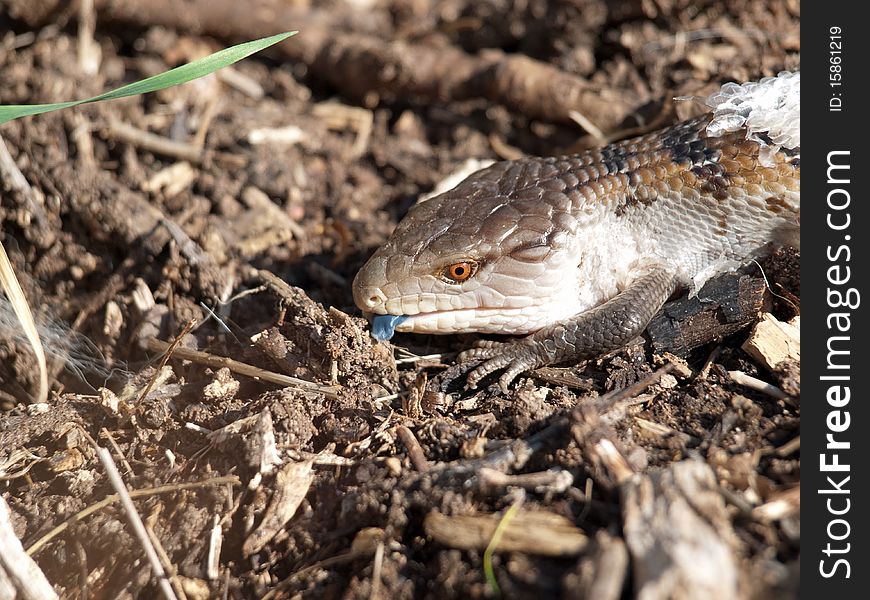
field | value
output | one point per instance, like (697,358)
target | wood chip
(780,506)
(264,442)
(340,117)
(172,180)
(601,574)
(533,532)
(772,342)
(272,214)
(291,486)
(679,535)
(285,136)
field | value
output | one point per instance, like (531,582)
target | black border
(824,131)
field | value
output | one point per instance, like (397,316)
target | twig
(188,248)
(377,568)
(84,142)
(109,500)
(208,115)
(552,481)
(117,449)
(151,142)
(165,359)
(504,150)
(84,588)
(587,124)
(241,82)
(741,378)
(790,446)
(136,523)
(226,591)
(364,65)
(587,500)
(275,283)
(12,173)
(210,360)
(680,38)
(610,399)
(89,51)
(613,460)
(166,562)
(708,364)
(215,543)
(413,358)
(415,451)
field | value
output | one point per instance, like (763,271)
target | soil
(327,490)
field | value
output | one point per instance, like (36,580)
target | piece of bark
(722,307)
(601,573)
(773,342)
(679,535)
(349,51)
(291,485)
(533,532)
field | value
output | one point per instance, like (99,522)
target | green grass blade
(176,76)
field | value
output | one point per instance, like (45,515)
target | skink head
(474,259)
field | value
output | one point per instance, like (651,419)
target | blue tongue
(384,326)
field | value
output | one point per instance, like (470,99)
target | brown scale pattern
(525,203)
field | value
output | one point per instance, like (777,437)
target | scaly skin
(603,328)
(581,251)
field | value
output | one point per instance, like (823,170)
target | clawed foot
(514,357)
(606,327)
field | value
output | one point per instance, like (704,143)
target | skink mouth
(510,321)
(384,326)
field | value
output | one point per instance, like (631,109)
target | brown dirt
(95,251)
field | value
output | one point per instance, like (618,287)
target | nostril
(369,299)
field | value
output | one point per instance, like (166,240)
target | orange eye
(459,272)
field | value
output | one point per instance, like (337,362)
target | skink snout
(369,299)
(372,300)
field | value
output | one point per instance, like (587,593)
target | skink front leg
(602,329)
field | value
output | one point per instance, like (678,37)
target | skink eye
(459,272)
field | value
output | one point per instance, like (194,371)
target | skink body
(578,252)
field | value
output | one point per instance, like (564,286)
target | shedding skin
(579,252)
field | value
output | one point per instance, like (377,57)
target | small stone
(393,465)
(668,381)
